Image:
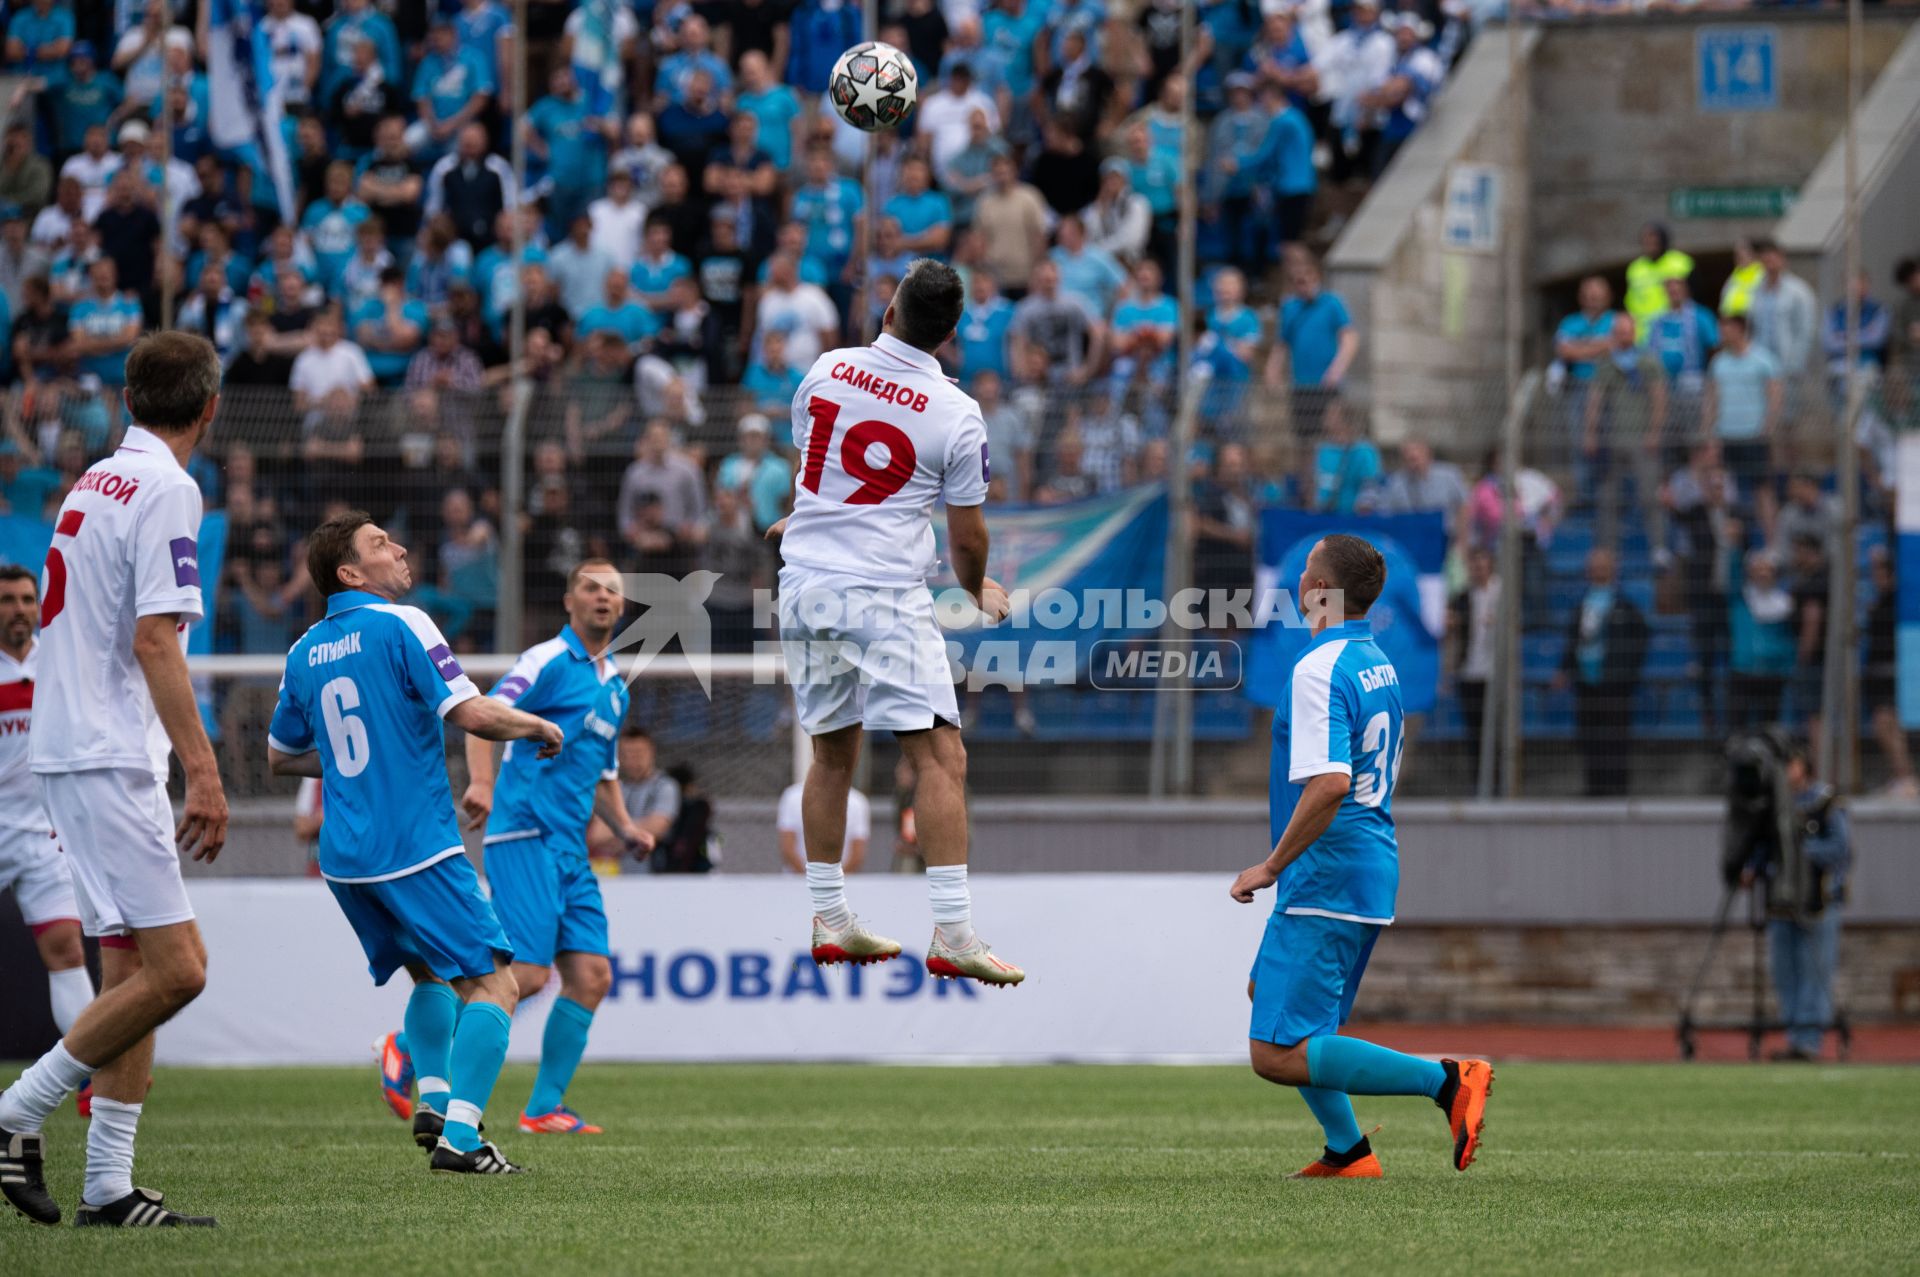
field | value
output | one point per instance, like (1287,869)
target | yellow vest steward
(1647,286)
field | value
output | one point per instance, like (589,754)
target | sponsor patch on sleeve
(511,689)
(186,562)
(444,661)
(986,471)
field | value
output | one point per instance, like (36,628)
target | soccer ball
(874,86)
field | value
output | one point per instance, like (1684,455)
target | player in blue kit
(536,815)
(1337,742)
(361,705)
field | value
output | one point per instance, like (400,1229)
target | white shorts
(863,653)
(116,826)
(31,864)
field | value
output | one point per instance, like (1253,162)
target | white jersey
(126,545)
(20,803)
(883,434)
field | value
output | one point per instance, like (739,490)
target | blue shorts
(547,896)
(1306,976)
(437,917)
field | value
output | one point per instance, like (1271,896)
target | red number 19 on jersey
(876,483)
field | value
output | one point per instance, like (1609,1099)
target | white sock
(952,903)
(72,989)
(828,886)
(38,1091)
(109,1151)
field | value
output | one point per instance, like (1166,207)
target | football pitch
(807,1169)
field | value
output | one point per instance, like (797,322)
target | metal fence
(1612,491)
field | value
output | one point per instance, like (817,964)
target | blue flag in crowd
(1407,619)
(246,104)
(596,59)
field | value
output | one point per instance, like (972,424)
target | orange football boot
(1464,1099)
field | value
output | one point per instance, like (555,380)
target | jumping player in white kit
(122,585)
(884,434)
(31,863)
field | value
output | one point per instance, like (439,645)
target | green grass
(1600,1169)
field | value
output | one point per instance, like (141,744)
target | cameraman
(1804,949)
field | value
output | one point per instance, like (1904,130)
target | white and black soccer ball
(874,86)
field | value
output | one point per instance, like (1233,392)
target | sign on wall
(1735,68)
(1470,220)
(1754,202)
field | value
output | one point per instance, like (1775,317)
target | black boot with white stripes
(22,1177)
(485,1160)
(139,1209)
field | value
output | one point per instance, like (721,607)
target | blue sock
(1334,1111)
(432,1012)
(564,1042)
(1361,1068)
(479,1049)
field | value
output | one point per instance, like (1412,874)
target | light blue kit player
(361,705)
(1337,742)
(536,814)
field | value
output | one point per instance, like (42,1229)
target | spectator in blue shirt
(1344,466)
(657,266)
(485,29)
(1682,337)
(1320,342)
(358,19)
(1088,273)
(1280,58)
(389,327)
(1157,178)
(759,474)
(1286,167)
(982,335)
(831,206)
(1237,323)
(39,39)
(1236,140)
(450,89)
(104,323)
(562,131)
(924,214)
(619,313)
(771,382)
(694,54)
(89,97)
(1415,77)
(330,222)
(1584,337)
(695,128)
(774,105)
(819,32)
(1009,31)
(1145,326)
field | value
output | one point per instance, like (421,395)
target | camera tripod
(1757,1024)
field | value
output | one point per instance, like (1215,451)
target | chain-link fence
(1671,584)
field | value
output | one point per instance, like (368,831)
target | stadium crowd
(694,220)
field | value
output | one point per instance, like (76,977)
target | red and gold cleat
(562,1121)
(396,1075)
(974,962)
(854,944)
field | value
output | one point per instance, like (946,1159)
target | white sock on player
(952,903)
(828,886)
(38,1091)
(109,1151)
(72,989)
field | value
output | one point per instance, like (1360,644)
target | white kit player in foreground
(122,585)
(31,863)
(885,434)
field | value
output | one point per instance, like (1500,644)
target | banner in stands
(717,968)
(1089,549)
(1907,557)
(1407,620)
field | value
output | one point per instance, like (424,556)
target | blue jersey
(1341,713)
(367,686)
(558,681)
